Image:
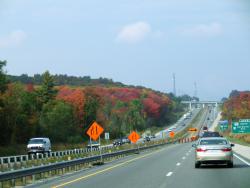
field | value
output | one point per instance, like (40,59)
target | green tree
(47,91)
(3,79)
(57,121)
(15,117)
(134,116)
(92,104)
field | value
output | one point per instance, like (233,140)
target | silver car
(39,145)
(213,150)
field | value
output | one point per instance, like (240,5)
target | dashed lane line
(169,174)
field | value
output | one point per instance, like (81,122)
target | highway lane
(171,166)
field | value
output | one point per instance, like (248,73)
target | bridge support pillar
(190,106)
(203,105)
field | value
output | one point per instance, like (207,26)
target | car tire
(230,164)
(197,165)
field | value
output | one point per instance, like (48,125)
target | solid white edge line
(244,161)
(169,174)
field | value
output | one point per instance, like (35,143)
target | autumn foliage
(237,106)
(64,113)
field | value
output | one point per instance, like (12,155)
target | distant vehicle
(118,142)
(121,141)
(204,128)
(214,150)
(147,139)
(210,134)
(187,115)
(125,140)
(39,145)
(183,124)
(94,144)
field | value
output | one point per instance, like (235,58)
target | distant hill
(60,79)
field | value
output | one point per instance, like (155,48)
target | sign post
(94,132)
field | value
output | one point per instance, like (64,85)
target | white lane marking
(178,164)
(183,158)
(187,154)
(169,174)
(244,161)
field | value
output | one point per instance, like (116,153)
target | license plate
(214,151)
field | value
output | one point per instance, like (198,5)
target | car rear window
(36,141)
(213,142)
(211,134)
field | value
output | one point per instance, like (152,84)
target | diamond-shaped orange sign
(171,134)
(133,137)
(94,131)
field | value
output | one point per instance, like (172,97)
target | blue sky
(139,42)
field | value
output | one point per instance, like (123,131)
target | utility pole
(195,89)
(174,88)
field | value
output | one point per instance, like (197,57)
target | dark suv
(210,134)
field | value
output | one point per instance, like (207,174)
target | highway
(171,166)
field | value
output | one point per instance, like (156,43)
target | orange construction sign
(94,131)
(133,137)
(171,134)
(192,129)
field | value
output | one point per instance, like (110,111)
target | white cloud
(204,30)
(15,38)
(134,33)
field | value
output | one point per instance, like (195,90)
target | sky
(136,42)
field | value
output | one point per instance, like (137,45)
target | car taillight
(200,150)
(227,149)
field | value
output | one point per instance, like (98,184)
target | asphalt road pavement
(169,167)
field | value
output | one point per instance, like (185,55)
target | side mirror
(232,145)
(194,145)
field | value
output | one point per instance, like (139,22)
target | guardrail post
(1,184)
(24,180)
(33,178)
(12,182)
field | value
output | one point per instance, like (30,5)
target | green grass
(237,141)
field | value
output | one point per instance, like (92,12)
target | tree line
(60,79)
(237,106)
(64,112)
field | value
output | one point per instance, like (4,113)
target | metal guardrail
(22,158)
(12,175)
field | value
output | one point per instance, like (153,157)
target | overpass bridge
(202,103)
